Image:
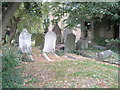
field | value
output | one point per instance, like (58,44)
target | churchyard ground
(68,73)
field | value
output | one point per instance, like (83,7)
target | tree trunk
(8,14)
(12,34)
(13,28)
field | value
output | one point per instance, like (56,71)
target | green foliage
(113,44)
(33,8)
(60,52)
(113,40)
(10,60)
(78,12)
(32,80)
(100,40)
(74,52)
(30,14)
(11,75)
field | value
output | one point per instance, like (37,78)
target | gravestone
(25,41)
(39,40)
(70,42)
(57,30)
(50,42)
(82,44)
(104,55)
(65,33)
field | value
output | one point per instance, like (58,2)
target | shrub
(11,75)
(113,44)
(100,40)
(74,52)
(60,52)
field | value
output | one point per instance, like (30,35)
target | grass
(78,74)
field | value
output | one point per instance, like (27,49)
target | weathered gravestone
(57,30)
(104,55)
(70,42)
(25,41)
(65,33)
(82,44)
(49,44)
(25,44)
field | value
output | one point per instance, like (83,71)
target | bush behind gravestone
(60,52)
(11,76)
(113,44)
(100,40)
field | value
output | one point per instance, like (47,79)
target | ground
(67,72)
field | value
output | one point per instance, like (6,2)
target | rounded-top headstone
(70,42)
(65,33)
(25,41)
(50,42)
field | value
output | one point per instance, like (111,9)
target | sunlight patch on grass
(66,70)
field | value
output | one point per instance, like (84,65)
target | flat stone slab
(99,47)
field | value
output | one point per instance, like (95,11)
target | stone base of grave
(50,56)
(99,47)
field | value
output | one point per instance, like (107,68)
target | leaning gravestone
(104,55)
(70,42)
(50,42)
(25,41)
(82,44)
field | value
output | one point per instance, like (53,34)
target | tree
(78,12)
(31,14)
(8,11)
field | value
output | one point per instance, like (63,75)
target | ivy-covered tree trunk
(119,31)
(13,28)
(7,15)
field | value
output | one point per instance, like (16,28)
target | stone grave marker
(65,33)
(25,41)
(82,44)
(25,45)
(70,42)
(50,42)
(104,55)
